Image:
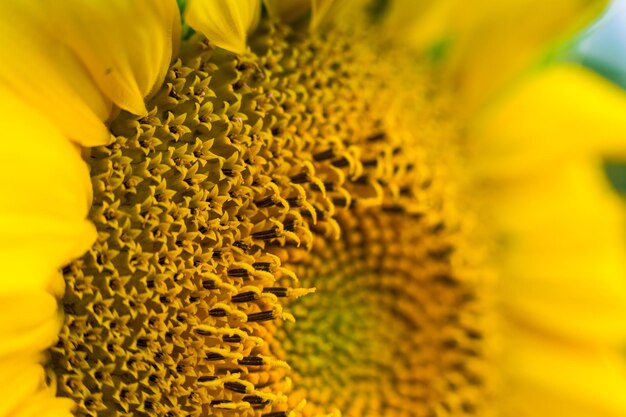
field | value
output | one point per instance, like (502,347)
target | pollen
(278,237)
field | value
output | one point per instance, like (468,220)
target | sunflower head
(305,209)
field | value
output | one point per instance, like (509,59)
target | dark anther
(294,201)
(450,344)
(252,361)
(148,404)
(324,155)
(180,368)
(396,150)
(217,312)
(202,332)
(66,270)
(363,179)
(276,414)
(244,297)
(202,229)
(254,399)
(275,131)
(301,178)
(235,338)
(193,298)
(328,186)
(446,280)
(228,172)
(290,225)
(241,245)
(216,254)
(370,163)
(214,356)
(262,316)
(238,272)
(393,208)
(150,283)
(277,291)
(238,85)
(441,253)
(262,266)
(468,407)
(265,202)
(218,402)
(340,201)
(207,378)
(266,234)
(236,387)
(341,162)
(438,228)
(209,284)
(153,378)
(405,191)
(473,334)
(142,342)
(376,137)
(164,299)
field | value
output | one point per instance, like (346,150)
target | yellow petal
(72,62)
(226,23)
(564,259)
(554,115)
(24,392)
(29,322)
(493,41)
(126,45)
(292,10)
(546,378)
(46,196)
(321,9)
(287,10)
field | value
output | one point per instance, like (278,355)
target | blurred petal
(507,35)
(24,391)
(226,23)
(554,115)
(46,196)
(547,378)
(73,62)
(286,10)
(565,257)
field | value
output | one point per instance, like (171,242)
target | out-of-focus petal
(491,42)
(546,378)
(554,115)
(565,253)
(226,23)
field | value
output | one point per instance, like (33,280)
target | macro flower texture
(246,208)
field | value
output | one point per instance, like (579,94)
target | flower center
(305,159)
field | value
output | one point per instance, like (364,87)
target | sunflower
(305,208)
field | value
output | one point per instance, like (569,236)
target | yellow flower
(307,210)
